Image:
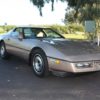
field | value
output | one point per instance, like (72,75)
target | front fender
(51,51)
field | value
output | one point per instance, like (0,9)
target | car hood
(77,50)
(1,36)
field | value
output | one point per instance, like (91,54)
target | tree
(40,4)
(69,16)
(85,12)
(75,4)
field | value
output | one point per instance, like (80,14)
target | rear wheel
(39,63)
(3,52)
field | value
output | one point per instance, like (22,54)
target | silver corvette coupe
(47,50)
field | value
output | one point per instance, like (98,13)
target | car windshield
(52,34)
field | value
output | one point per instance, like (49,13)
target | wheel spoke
(38,63)
(2,50)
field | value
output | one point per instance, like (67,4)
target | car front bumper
(61,65)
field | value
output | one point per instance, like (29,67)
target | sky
(22,12)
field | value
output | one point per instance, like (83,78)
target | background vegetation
(77,11)
(67,29)
(4,29)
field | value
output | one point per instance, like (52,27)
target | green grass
(75,36)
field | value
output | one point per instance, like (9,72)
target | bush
(60,29)
(4,29)
(72,28)
(1,30)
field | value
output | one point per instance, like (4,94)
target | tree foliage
(40,4)
(4,29)
(84,10)
(76,4)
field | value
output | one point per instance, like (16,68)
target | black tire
(39,63)
(3,51)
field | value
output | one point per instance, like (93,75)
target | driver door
(16,45)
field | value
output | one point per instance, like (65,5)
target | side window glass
(16,32)
(28,33)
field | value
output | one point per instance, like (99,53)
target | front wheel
(39,63)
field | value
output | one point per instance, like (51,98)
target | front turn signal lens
(57,61)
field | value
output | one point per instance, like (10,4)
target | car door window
(16,32)
(28,33)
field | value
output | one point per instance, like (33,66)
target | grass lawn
(75,36)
